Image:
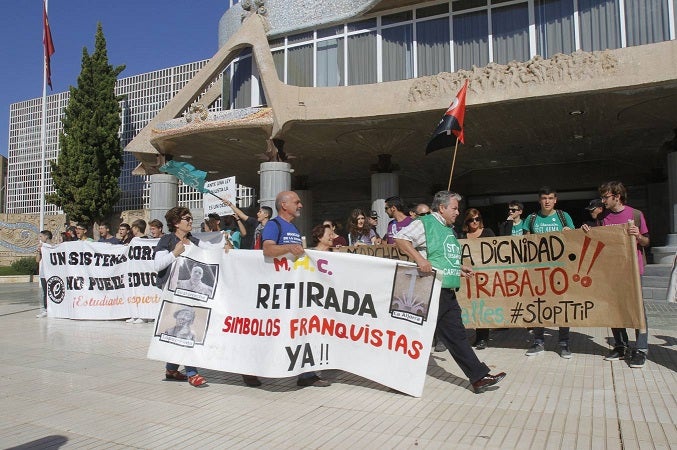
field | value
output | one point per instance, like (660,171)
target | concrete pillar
(275,178)
(305,222)
(672,190)
(163,195)
(383,185)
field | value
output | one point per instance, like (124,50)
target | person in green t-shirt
(431,242)
(548,219)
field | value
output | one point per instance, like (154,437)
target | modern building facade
(144,96)
(568,93)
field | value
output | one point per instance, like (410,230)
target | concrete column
(163,195)
(672,190)
(383,185)
(275,178)
(305,222)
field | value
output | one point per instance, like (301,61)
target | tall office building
(144,95)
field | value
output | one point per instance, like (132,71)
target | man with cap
(595,208)
(373,223)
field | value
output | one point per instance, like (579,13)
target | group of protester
(420,233)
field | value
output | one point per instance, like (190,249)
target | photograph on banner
(225,188)
(410,299)
(568,278)
(183,325)
(193,279)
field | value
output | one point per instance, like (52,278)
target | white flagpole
(43,130)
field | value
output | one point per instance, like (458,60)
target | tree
(88,167)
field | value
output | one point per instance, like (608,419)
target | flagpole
(453,162)
(43,128)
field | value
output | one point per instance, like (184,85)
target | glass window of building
(646,21)
(330,63)
(600,26)
(471,40)
(510,29)
(278,59)
(554,27)
(242,80)
(432,46)
(397,50)
(300,65)
(362,58)
(431,11)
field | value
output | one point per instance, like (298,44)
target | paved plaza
(88,384)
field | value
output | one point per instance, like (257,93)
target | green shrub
(25,266)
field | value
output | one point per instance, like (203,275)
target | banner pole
(453,162)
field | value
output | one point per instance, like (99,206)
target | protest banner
(225,188)
(240,312)
(95,280)
(569,278)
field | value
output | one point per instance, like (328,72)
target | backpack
(532,219)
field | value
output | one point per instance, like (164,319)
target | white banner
(94,280)
(243,313)
(224,188)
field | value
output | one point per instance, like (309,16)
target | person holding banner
(281,237)
(168,249)
(546,220)
(614,195)
(431,242)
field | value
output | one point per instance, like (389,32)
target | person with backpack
(548,219)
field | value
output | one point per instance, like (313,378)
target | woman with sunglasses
(473,228)
(171,245)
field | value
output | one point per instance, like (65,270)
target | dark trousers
(451,331)
(43,284)
(540,331)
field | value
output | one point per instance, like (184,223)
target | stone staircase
(656,278)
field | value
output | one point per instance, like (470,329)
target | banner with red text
(95,280)
(569,278)
(240,312)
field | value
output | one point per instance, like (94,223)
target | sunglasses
(423,214)
(474,219)
(187,218)
(513,209)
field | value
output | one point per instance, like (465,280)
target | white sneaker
(130,320)
(139,321)
(43,313)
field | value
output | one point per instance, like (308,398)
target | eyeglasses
(604,197)
(474,219)
(513,209)
(423,214)
(187,218)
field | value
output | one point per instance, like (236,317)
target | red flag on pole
(450,127)
(47,43)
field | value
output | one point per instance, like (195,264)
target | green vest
(443,249)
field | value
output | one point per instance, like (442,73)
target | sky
(143,35)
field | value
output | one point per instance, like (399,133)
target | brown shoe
(312,381)
(251,380)
(482,384)
(174,375)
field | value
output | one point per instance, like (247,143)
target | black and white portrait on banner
(193,279)
(411,295)
(183,325)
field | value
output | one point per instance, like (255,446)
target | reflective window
(646,21)
(398,56)
(510,33)
(554,27)
(330,63)
(300,65)
(432,47)
(471,40)
(599,21)
(362,58)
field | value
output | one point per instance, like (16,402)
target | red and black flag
(450,127)
(48,44)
